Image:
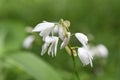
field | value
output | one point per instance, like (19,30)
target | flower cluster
(52,32)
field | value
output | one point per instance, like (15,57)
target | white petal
(49,39)
(62,32)
(46,32)
(56,43)
(56,29)
(84,56)
(44,48)
(53,46)
(82,38)
(50,50)
(28,42)
(66,40)
(43,26)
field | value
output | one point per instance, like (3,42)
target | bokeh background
(99,19)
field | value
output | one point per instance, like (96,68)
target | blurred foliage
(99,18)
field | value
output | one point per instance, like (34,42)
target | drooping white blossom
(51,42)
(28,42)
(85,56)
(82,38)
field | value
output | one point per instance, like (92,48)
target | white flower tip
(62,45)
(34,30)
(81,36)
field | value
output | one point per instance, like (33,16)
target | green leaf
(34,66)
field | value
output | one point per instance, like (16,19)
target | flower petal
(43,26)
(84,56)
(56,43)
(46,32)
(82,38)
(62,32)
(48,39)
(66,40)
(56,29)
(44,48)
(50,50)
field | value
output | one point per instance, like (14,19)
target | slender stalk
(74,64)
(75,70)
(70,50)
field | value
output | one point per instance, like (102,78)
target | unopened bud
(67,23)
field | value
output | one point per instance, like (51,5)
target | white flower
(28,41)
(82,38)
(52,43)
(44,28)
(85,56)
(100,51)
(66,40)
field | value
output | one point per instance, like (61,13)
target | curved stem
(74,63)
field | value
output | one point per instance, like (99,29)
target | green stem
(74,63)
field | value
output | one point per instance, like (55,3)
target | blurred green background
(100,18)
